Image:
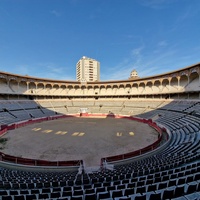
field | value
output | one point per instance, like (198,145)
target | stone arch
(121,89)
(134,88)
(141,87)
(115,89)
(13,84)
(128,88)
(55,89)
(32,87)
(193,81)
(48,88)
(156,86)
(165,85)
(148,87)
(109,90)
(96,90)
(174,85)
(90,90)
(55,86)
(4,85)
(83,89)
(70,89)
(63,89)
(184,81)
(102,90)
(40,88)
(22,87)
(77,90)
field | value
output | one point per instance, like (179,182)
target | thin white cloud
(74,2)
(121,74)
(124,68)
(147,63)
(94,14)
(184,15)
(197,50)
(137,54)
(137,51)
(53,76)
(118,72)
(22,70)
(149,71)
(53,71)
(46,70)
(55,13)
(156,4)
(57,70)
(188,13)
(161,57)
(162,43)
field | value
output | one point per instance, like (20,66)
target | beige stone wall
(186,80)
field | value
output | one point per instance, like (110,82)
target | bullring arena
(146,133)
(88,139)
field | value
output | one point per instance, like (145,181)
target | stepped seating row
(10,105)
(195,108)
(45,104)
(22,109)
(168,105)
(60,103)
(170,173)
(36,113)
(142,103)
(178,152)
(178,186)
(21,115)
(83,103)
(148,113)
(62,110)
(19,181)
(110,192)
(178,105)
(48,112)
(28,104)
(7,118)
(14,176)
(16,111)
(168,183)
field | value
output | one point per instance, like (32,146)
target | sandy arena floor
(88,139)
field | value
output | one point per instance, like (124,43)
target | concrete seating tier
(170,173)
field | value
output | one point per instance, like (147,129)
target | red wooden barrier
(34,162)
(26,161)
(140,151)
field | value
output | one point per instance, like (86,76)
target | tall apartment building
(87,69)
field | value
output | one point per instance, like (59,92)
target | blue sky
(46,38)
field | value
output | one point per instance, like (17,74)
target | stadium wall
(180,84)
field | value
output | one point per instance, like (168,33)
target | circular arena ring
(72,140)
